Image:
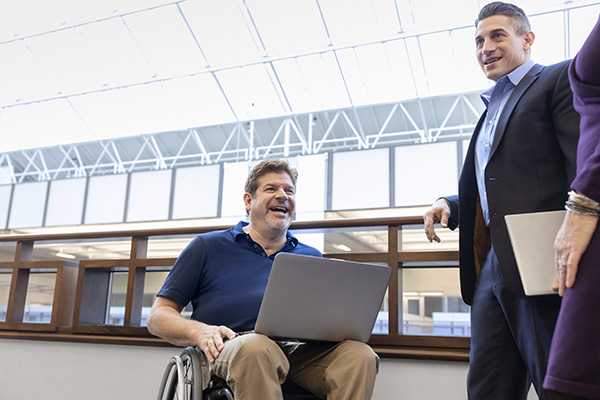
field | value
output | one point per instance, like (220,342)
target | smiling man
(521,159)
(224,275)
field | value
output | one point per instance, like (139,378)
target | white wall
(73,371)
(424,380)
(421,380)
(69,371)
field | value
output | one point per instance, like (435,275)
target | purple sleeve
(587,62)
(584,76)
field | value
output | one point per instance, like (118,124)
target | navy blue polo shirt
(224,274)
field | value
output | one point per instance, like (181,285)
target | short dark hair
(516,14)
(266,166)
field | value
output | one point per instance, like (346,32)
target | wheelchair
(187,377)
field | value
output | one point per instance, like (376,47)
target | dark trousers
(560,396)
(510,338)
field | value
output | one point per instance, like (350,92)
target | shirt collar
(238,231)
(519,73)
(514,77)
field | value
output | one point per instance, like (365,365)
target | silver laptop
(532,237)
(314,298)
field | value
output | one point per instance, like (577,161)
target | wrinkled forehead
(275,178)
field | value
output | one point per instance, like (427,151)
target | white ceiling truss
(93,88)
(404,123)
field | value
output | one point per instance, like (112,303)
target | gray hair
(266,166)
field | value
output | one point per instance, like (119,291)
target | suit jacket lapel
(512,102)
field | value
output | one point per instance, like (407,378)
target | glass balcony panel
(116,301)
(5,279)
(7,251)
(431,303)
(381,326)
(40,296)
(155,277)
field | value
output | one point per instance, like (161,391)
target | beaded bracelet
(582,204)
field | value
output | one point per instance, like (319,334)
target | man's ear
(247,202)
(528,39)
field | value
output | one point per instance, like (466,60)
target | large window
(425,172)
(65,202)
(196,192)
(27,205)
(361,179)
(432,304)
(5,193)
(154,185)
(106,199)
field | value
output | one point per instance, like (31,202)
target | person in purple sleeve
(574,365)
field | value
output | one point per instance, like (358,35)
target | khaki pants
(254,367)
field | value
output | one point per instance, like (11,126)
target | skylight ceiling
(77,71)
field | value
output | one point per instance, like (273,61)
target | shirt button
(264,254)
(485,193)
(491,122)
(486,145)
(255,245)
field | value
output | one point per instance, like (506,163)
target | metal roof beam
(10,174)
(412,121)
(359,137)
(233,132)
(448,115)
(385,124)
(318,144)
(160,162)
(198,141)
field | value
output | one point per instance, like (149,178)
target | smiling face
(272,207)
(500,49)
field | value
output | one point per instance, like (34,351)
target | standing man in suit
(521,159)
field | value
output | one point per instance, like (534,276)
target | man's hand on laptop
(211,340)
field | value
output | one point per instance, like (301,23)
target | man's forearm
(173,327)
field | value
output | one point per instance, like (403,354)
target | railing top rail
(298,225)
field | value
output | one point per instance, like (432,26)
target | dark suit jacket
(532,163)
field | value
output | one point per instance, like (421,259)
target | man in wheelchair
(224,275)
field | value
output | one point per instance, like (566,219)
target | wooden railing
(81,290)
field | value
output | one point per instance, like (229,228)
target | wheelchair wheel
(217,390)
(168,383)
(185,377)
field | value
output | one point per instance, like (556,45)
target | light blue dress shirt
(494,99)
